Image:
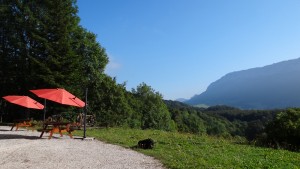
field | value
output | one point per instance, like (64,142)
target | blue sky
(179,47)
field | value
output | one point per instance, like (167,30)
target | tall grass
(182,151)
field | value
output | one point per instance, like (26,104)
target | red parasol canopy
(60,96)
(24,101)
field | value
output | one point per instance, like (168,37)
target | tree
(195,124)
(113,108)
(36,49)
(284,130)
(254,129)
(154,112)
(13,52)
(43,46)
(61,59)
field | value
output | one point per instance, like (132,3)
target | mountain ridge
(181,100)
(272,86)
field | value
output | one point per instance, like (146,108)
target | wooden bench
(57,127)
(44,130)
(60,130)
(22,123)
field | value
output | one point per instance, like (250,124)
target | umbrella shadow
(16,136)
(4,130)
(14,130)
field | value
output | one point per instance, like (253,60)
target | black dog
(146,144)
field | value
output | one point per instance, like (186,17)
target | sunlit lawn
(184,151)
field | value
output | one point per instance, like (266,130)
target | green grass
(184,151)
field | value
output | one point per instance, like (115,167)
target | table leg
(70,134)
(51,133)
(17,127)
(45,127)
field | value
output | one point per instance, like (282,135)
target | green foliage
(176,150)
(254,129)
(43,46)
(197,120)
(112,108)
(284,131)
(258,126)
(195,123)
(154,113)
(248,123)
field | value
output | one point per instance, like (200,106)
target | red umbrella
(60,96)
(24,101)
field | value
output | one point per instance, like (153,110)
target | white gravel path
(24,149)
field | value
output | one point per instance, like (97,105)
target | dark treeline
(43,46)
(221,120)
(271,128)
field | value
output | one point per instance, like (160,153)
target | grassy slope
(184,151)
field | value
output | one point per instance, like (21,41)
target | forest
(44,46)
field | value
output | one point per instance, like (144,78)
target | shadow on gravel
(15,136)
(13,130)
(4,130)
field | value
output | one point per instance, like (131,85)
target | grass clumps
(182,151)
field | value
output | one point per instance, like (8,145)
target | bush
(284,131)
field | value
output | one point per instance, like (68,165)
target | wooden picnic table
(22,123)
(57,127)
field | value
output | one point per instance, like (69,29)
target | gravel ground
(24,149)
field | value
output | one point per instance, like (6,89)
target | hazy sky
(179,47)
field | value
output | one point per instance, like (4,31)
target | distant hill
(181,100)
(268,87)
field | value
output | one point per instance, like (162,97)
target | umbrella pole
(44,110)
(84,118)
(27,114)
